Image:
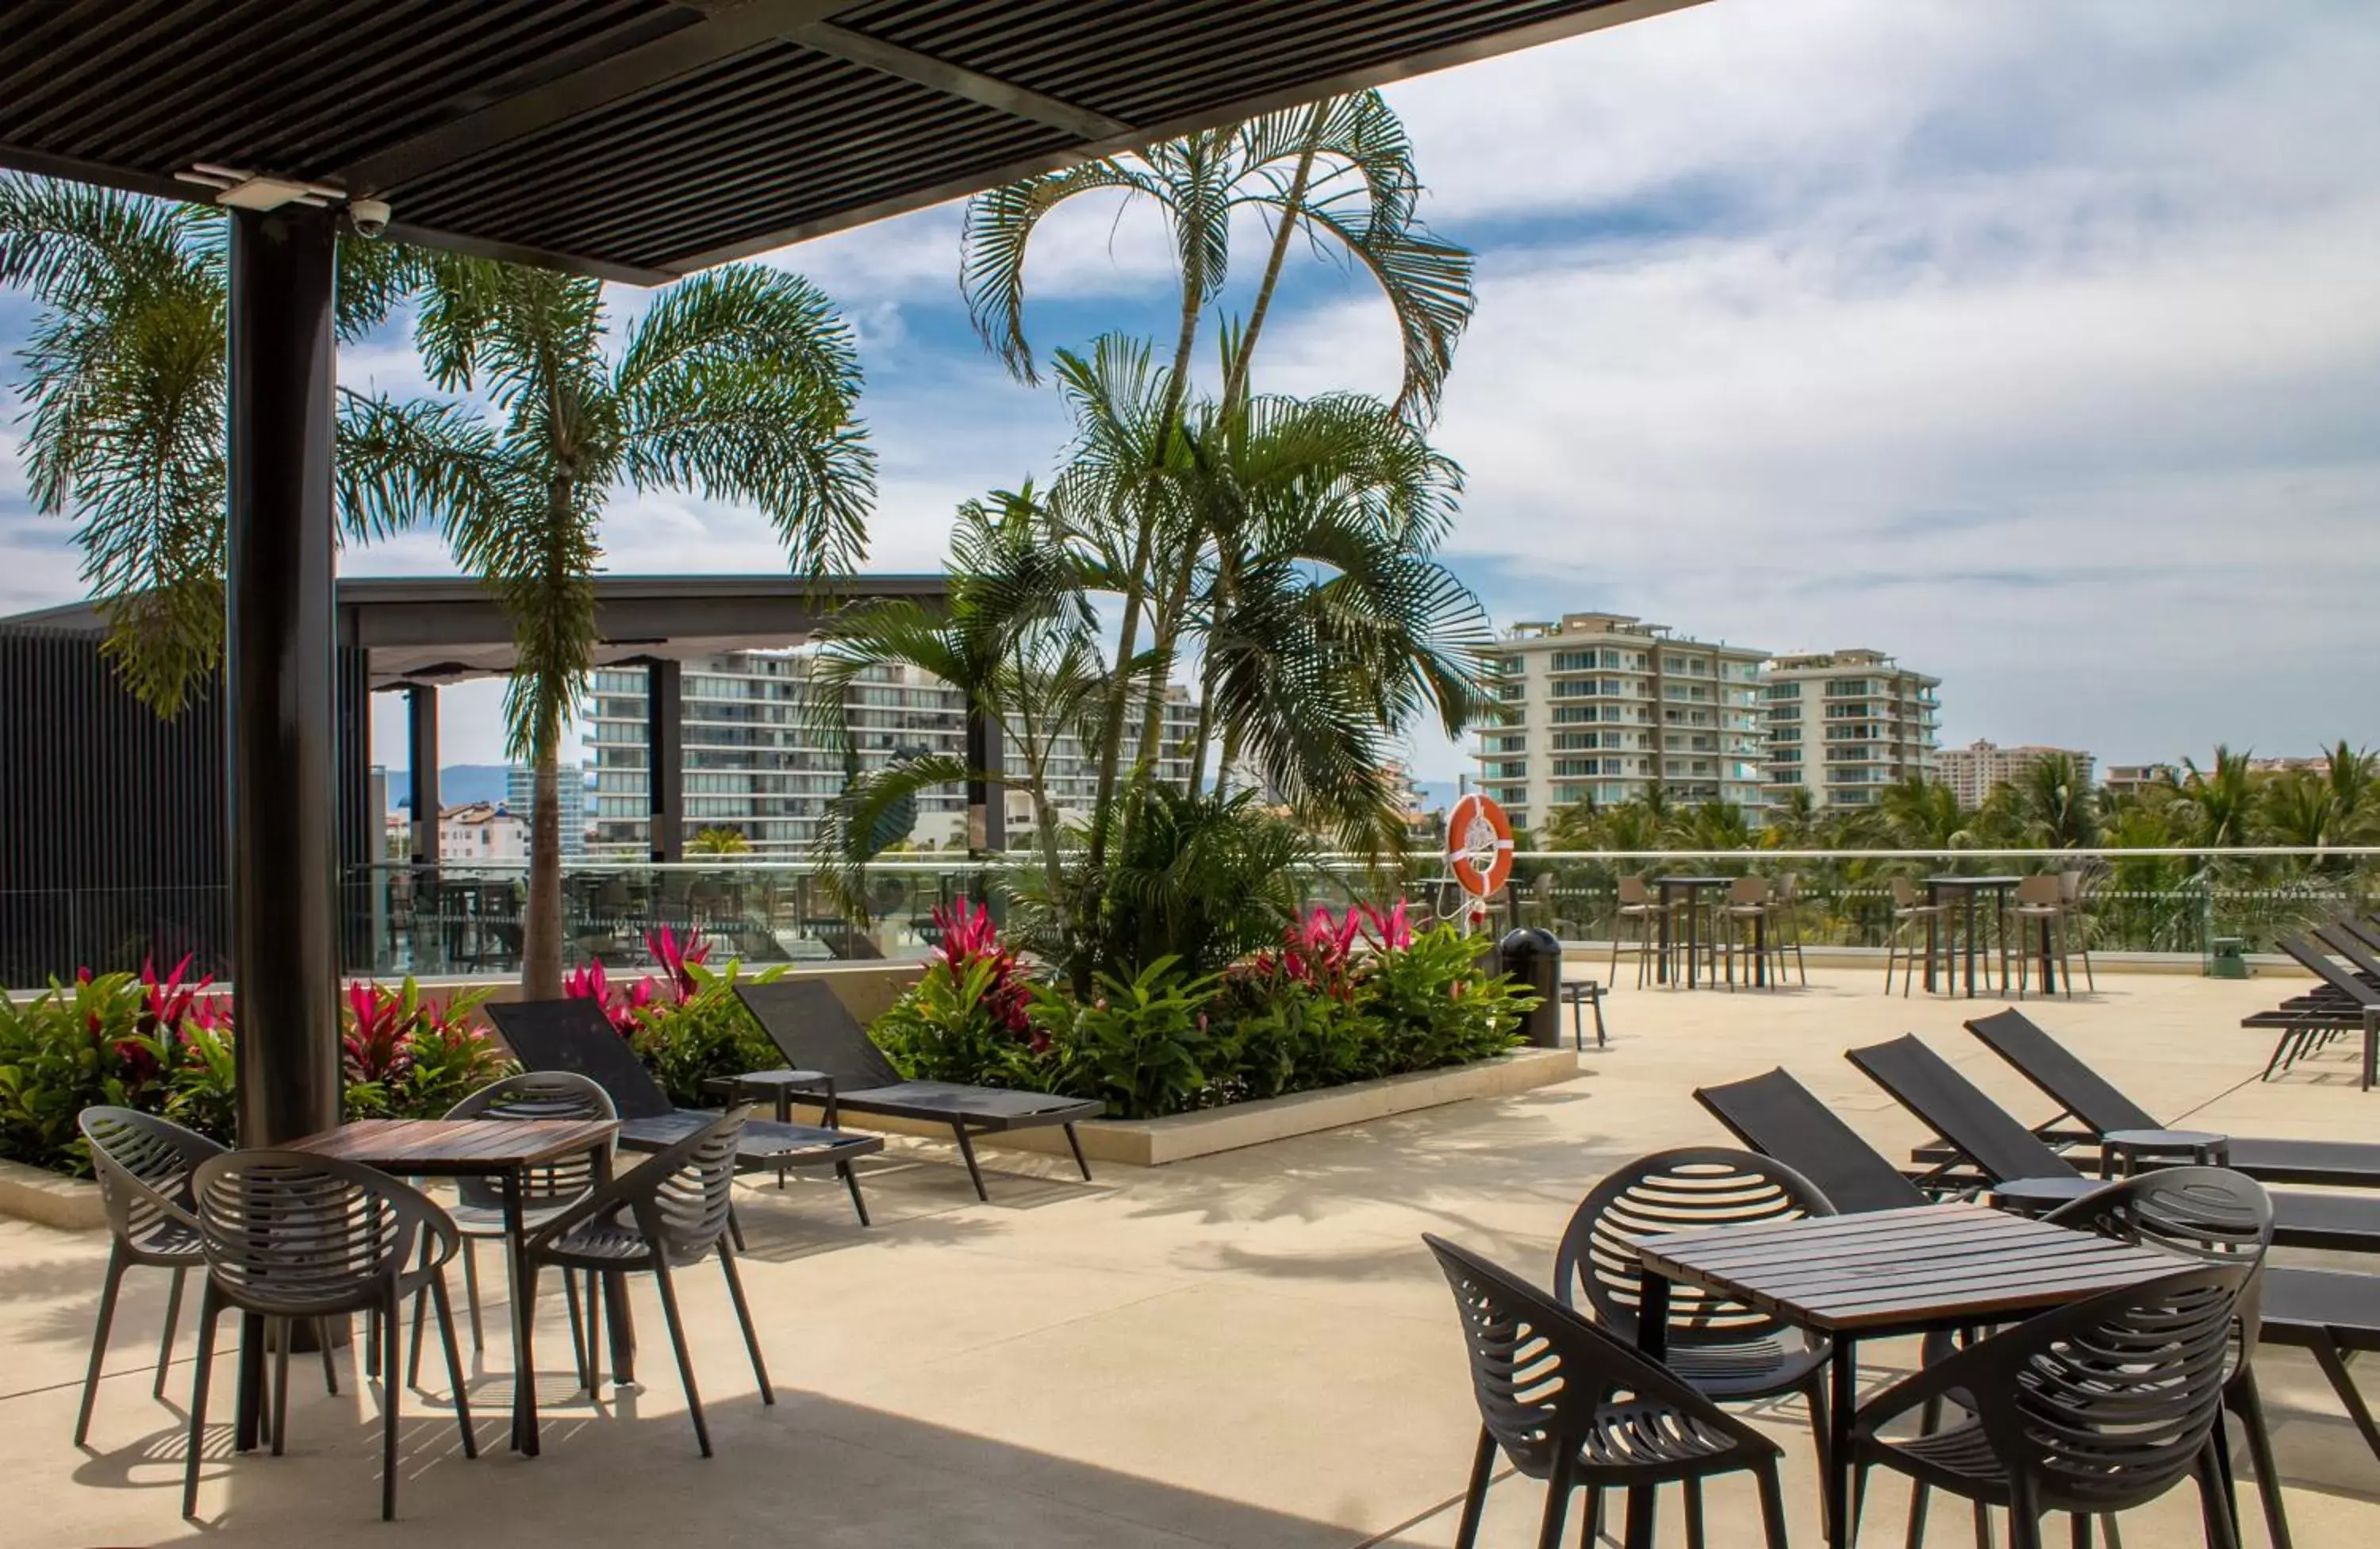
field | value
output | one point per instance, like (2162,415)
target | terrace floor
(1253,1349)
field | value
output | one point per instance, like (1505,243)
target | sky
(2036,344)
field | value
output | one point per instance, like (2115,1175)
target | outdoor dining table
(1968,886)
(1693,889)
(1877,1274)
(504,1149)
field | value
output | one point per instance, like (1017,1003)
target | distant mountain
(459,785)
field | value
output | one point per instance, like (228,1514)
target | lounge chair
(2088,1098)
(811,1027)
(576,1035)
(2018,1164)
(2343,1002)
(1779,1116)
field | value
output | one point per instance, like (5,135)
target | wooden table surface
(459,1145)
(1902,1269)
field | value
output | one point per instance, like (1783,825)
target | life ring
(1480,845)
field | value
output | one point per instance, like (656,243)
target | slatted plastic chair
(292,1237)
(143,1164)
(2092,1408)
(1548,1384)
(2219,1217)
(1726,1351)
(479,1211)
(669,1212)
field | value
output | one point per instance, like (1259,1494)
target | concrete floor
(1253,1349)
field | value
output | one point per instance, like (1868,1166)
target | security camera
(370,216)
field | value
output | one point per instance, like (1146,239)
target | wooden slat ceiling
(643,139)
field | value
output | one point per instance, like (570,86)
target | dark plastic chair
(669,1212)
(1726,1351)
(143,1164)
(479,1211)
(1547,1382)
(2092,1408)
(291,1236)
(1779,1116)
(2223,1217)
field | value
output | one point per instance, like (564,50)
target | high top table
(1880,1273)
(503,1149)
(1968,888)
(1693,888)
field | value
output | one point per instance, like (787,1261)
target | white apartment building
(1971,772)
(1843,725)
(754,763)
(482,831)
(1604,707)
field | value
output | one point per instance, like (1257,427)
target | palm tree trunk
(1229,756)
(542,928)
(1236,386)
(1119,694)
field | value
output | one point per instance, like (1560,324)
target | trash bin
(2226,957)
(1533,958)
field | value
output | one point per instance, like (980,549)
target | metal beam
(986,800)
(422,767)
(282,725)
(665,758)
(727,30)
(956,80)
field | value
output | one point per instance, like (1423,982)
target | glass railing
(467,919)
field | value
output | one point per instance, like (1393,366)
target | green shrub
(707,1034)
(967,1019)
(1140,1045)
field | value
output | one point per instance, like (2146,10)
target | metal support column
(987,802)
(421,766)
(282,722)
(666,758)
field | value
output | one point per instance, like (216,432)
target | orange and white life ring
(1480,845)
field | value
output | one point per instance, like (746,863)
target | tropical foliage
(685,1022)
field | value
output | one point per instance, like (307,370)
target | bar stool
(2040,901)
(1638,905)
(1744,916)
(1785,923)
(1908,915)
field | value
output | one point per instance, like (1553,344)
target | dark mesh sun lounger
(574,1035)
(811,1028)
(1779,1117)
(1985,1134)
(2090,1099)
(2343,1003)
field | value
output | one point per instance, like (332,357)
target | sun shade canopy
(640,140)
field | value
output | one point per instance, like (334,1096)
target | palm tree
(738,385)
(2054,803)
(1343,169)
(2220,801)
(1924,814)
(720,840)
(123,380)
(2353,776)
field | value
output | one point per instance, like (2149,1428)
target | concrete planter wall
(1153,1143)
(68,1204)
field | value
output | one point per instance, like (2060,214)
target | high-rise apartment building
(1605,707)
(754,762)
(520,795)
(1971,772)
(1843,725)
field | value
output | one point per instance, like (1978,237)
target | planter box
(69,1204)
(1153,1143)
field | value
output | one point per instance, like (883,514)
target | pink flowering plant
(684,1021)
(969,1017)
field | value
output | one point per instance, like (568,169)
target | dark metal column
(987,802)
(666,758)
(282,724)
(421,766)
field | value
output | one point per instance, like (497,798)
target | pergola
(633,139)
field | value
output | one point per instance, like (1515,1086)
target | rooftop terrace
(1250,1349)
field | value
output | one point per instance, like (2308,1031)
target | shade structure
(640,140)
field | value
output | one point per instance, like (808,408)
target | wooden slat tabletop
(464,1145)
(1905,1268)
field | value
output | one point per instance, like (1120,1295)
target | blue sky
(2039,345)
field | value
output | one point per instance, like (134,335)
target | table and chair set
(2082,1339)
(1690,929)
(298,1239)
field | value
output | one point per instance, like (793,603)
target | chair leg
(1475,1495)
(471,1292)
(1558,1488)
(454,1361)
(1590,1522)
(1772,1503)
(2081,1527)
(577,1326)
(323,1330)
(392,1398)
(1921,1495)
(165,1341)
(2334,1366)
(282,1332)
(524,1360)
(1076,1141)
(744,1317)
(735,1228)
(208,1307)
(117,1264)
(1694,1514)
(2260,1452)
(1600,1042)
(851,1181)
(685,1361)
(2221,1533)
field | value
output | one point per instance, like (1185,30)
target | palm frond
(999,225)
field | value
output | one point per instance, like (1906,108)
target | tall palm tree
(1924,814)
(2055,805)
(123,379)
(2220,799)
(1342,169)
(738,385)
